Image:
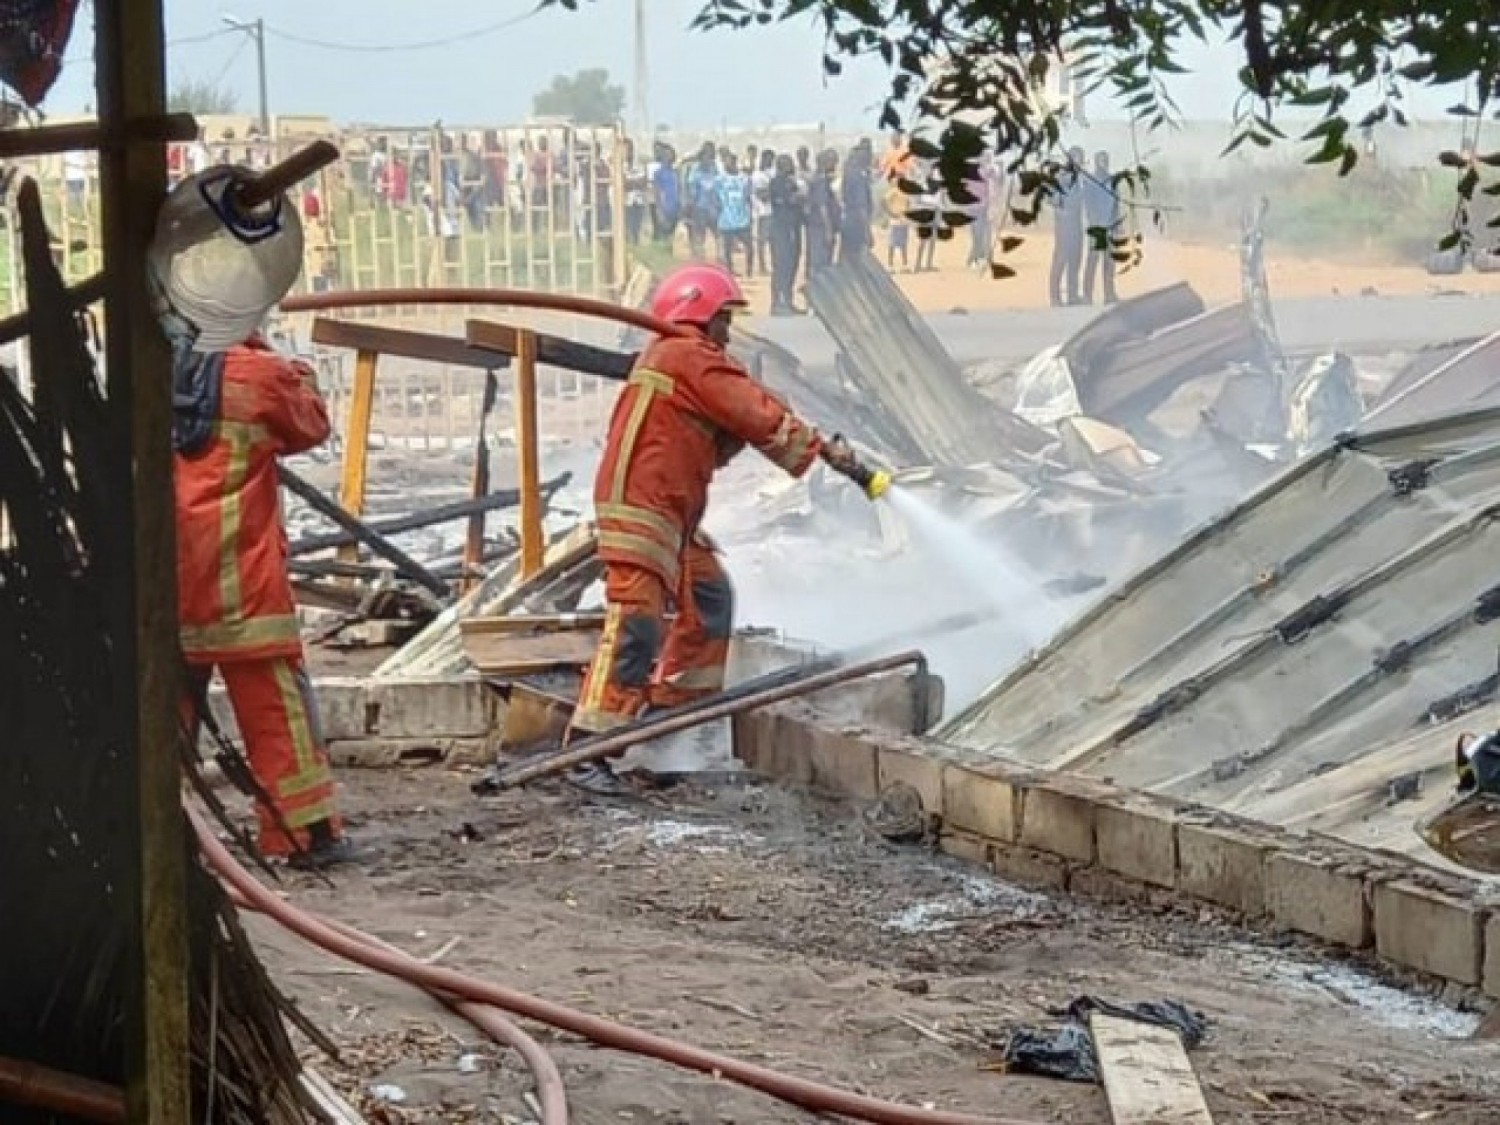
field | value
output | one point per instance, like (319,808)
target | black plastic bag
(1067,1052)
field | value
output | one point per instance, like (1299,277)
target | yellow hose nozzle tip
(880,484)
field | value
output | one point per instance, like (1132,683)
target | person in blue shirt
(733,193)
(666,193)
(702,211)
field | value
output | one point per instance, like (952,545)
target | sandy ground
(1213,270)
(762,924)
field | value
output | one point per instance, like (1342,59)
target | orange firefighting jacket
(687,410)
(234,592)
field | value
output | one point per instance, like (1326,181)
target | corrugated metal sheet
(1441,381)
(903,367)
(1321,638)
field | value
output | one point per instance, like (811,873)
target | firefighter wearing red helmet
(687,410)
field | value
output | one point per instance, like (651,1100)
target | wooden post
(133,174)
(357,443)
(620,249)
(533,545)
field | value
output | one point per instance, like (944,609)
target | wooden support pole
(357,443)
(533,545)
(131,90)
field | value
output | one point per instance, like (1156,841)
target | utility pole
(257,31)
(642,78)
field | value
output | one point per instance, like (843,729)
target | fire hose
(813,1096)
(549,1084)
(39,1087)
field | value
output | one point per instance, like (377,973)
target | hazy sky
(762,76)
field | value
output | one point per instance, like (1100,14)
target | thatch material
(67,795)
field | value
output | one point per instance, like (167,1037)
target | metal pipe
(708,710)
(38,1087)
(378,543)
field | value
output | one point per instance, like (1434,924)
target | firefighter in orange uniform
(686,411)
(236,413)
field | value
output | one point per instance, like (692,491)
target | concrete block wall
(1064,832)
(391,723)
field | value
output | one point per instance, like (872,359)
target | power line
(418,45)
(183,41)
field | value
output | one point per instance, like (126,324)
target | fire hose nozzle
(874,483)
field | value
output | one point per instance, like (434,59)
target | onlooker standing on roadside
(760,210)
(787,215)
(858,198)
(824,217)
(666,195)
(1101,211)
(898,233)
(702,188)
(733,206)
(637,188)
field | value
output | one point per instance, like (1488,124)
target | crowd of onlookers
(783,215)
(789,214)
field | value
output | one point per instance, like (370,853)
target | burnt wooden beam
(405,565)
(445,513)
(554,351)
(428,347)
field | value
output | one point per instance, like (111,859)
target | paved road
(1359,325)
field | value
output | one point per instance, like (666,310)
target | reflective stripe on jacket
(687,410)
(234,592)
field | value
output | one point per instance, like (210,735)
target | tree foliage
(966,72)
(586,98)
(202,97)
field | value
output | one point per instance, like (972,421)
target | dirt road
(766,925)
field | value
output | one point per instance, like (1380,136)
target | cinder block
(340,701)
(1224,861)
(752,732)
(1138,839)
(1096,882)
(965,846)
(341,707)
(1028,867)
(982,800)
(430,709)
(1319,895)
(1429,929)
(1057,818)
(1492,956)
(781,748)
(923,774)
(842,763)
(384,753)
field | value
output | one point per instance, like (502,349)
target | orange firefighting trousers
(640,662)
(277,716)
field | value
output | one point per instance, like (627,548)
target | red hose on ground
(550,1091)
(809,1095)
(39,1087)
(513,298)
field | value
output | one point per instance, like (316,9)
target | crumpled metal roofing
(1294,656)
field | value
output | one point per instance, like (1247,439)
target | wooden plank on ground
(534,623)
(518,654)
(1147,1075)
